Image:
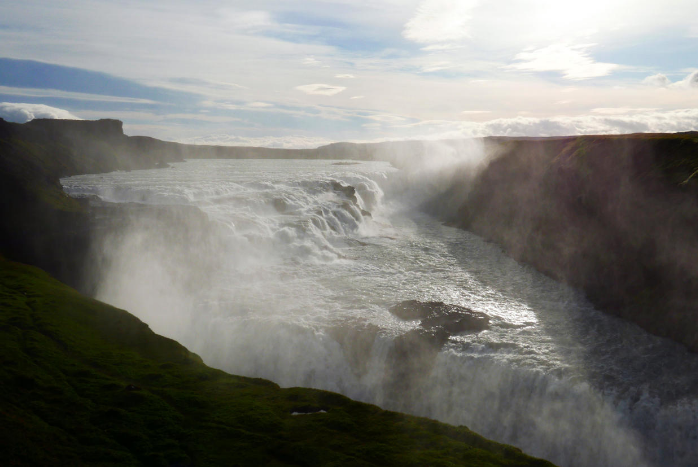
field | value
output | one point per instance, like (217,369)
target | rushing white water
(300,278)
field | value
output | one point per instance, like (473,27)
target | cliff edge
(41,225)
(614,216)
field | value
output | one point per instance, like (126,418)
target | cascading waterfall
(294,282)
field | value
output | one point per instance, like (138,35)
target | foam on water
(307,268)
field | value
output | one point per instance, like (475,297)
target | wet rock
(435,316)
(347,190)
(413,309)
(458,322)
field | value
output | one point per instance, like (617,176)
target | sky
(284,73)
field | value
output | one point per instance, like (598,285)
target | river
(310,255)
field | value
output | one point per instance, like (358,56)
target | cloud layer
(321,89)
(645,122)
(607,121)
(285,142)
(662,81)
(574,62)
(439,21)
(186,69)
(22,113)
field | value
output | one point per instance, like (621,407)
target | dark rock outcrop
(40,224)
(452,319)
(348,191)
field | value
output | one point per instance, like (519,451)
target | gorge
(293,265)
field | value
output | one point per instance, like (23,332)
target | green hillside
(84,383)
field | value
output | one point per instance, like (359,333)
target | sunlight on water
(295,281)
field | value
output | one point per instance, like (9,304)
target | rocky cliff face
(614,216)
(40,224)
(107,129)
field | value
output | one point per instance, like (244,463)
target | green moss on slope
(85,383)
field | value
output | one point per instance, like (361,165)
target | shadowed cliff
(43,226)
(614,216)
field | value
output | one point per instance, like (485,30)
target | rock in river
(435,316)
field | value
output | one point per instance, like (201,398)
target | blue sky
(299,74)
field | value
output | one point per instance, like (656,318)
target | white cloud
(264,58)
(201,116)
(200,86)
(80,96)
(641,122)
(386,118)
(311,61)
(438,21)
(321,89)
(348,76)
(437,66)
(689,82)
(659,80)
(619,110)
(313,111)
(442,47)
(21,113)
(692,79)
(248,21)
(647,122)
(573,61)
(372,126)
(260,105)
(286,142)
(475,112)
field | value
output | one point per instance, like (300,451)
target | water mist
(286,270)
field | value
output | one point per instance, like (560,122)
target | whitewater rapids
(309,256)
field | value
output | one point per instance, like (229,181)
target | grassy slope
(85,383)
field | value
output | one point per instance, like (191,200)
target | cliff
(614,216)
